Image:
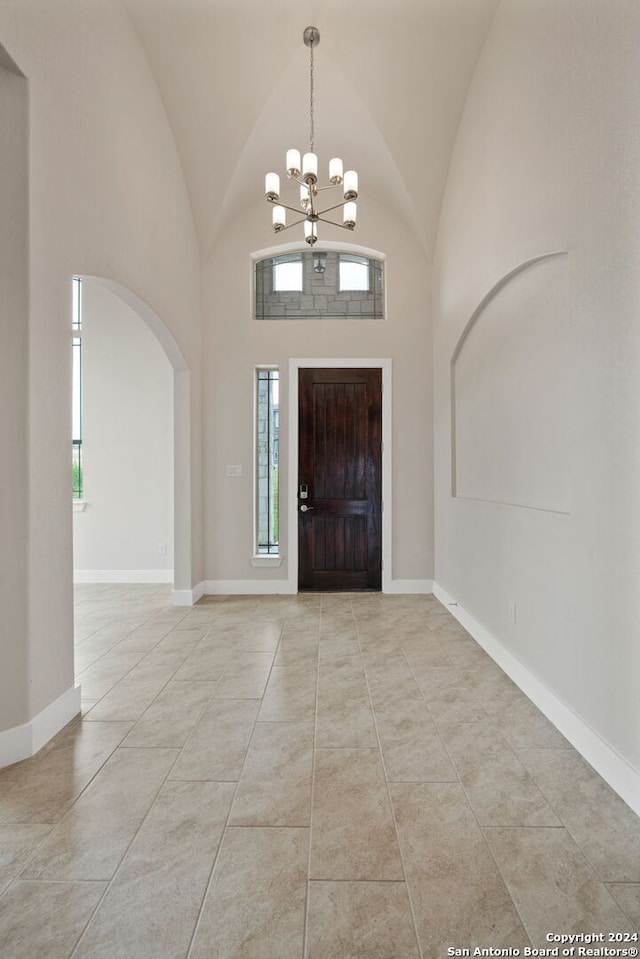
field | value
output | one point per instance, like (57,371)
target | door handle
(305,509)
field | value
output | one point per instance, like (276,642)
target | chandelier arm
(289,225)
(320,213)
(342,226)
(293,209)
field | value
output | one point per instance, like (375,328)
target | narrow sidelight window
(76,435)
(267,429)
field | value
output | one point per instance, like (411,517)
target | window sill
(267,559)
(79,505)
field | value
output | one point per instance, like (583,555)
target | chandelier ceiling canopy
(305,173)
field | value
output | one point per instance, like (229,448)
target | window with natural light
(267,439)
(76,352)
(287,274)
(319,285)
(354,273)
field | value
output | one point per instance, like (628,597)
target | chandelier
(305,173)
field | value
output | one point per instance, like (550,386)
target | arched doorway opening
(178,540)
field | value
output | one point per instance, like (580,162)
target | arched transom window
(319,284)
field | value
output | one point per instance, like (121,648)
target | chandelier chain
(311,103)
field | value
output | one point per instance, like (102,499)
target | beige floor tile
(425,654)
(132,695)
(627,895)
(218,744)
(360,920)
(91,840)
(98,679)
(377,638)
(341,662)
(450,694)
(246,676)
(150,909)
(499,788)
(393,686)
(525,727)
(353,834)
(351,766)
(604,827)
(301,616)
(172,715)
(411,745)
(275,784)
(167,658)
(397,674)
(144,639)
(183,637)
(92,649)
(171,614)
(255,636)
(344,715)
(290,695)
(459,898)
(298,649)
(256,903)
(206,663)
(44,920)
(467,654)
(41,789)
(553,885)
(17,844)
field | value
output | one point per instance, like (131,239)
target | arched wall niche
(509,391)
(182,429)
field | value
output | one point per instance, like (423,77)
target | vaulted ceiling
(391,79)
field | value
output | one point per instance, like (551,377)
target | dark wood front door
(340,470)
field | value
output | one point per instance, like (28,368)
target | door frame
(296,364)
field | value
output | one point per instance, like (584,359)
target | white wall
(107,198)
(127,447)
(235,343)
(547,159)
(14,289)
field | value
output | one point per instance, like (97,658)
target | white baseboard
(614,769)
(275,587)
(123,576)
(247,587)
(409,586)
(187,597)
(24,741)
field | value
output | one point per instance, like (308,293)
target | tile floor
(326,777)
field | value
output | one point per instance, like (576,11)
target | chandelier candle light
(306,174)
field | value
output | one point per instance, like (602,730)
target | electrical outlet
(162,549)
(234,470)
(512,613)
